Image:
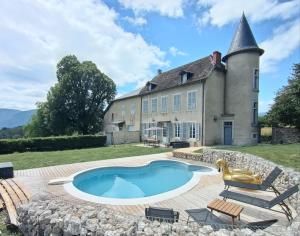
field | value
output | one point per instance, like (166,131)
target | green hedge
(51,143)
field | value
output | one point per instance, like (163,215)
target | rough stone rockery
(49,216)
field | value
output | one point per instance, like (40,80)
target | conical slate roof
(243,40)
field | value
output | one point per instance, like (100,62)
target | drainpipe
(141,117)
(202,115)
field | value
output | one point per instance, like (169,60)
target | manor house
(210,101)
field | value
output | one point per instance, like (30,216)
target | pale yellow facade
(123,115)
(205,102)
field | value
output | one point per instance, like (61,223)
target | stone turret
(242,85)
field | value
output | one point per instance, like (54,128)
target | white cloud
(34,35)
(176,52)
(283,42)
(138,21)
(170,8)
(222,12)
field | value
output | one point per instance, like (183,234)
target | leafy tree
(76,103)
(8,133)
(263,121)
(286,109)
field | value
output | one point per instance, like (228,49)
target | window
(255,78)
(130,127)
(145,106)
(176,102)
(191,100)
(164,104)
(164,131)
(254,113)
(132,110)
(151,86)
(192,130)
(177,130)
(154,105)
(123,112)
(112,117)
(184,78)
(254,136)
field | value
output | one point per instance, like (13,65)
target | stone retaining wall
(46,216)
(285,135)
(287,178)
(124,136)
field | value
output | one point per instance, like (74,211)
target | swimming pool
(134,185)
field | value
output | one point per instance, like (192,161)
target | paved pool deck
(207,189)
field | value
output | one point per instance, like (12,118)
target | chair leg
(286,211)
(277,193)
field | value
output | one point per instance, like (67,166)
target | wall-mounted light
(215,118)
(176,118)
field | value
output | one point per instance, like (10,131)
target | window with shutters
(164,104)
(145,106)
(176,102)
(154,104)
(192,130)
(191,100)
(177,130)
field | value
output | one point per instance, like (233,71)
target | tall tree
(76,103)
(286,108)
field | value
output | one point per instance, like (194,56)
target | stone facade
(122,121)
(225,110)
(285,135)
(167,119)
(124,136)
(239,85)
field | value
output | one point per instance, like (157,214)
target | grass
(283,154)
(29,160)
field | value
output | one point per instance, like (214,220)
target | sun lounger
(162,214)
(204,217)
(267,183)
(278,200)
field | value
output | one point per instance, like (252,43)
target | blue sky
(130,39)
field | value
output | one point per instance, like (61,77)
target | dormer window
(151,86)
(185,76)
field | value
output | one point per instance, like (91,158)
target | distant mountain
(11,118)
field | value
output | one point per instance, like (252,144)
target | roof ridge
(176,68)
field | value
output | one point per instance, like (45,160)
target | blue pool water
(136,182)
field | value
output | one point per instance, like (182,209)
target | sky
(129,40)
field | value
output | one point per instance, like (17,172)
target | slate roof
(243,40)
(200,69)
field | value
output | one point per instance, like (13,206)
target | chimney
(159,71)
(216,58)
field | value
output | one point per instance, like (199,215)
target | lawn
(283,154)
(29,160)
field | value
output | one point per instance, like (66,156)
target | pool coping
(75,192)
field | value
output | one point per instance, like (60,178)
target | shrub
(51,143)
